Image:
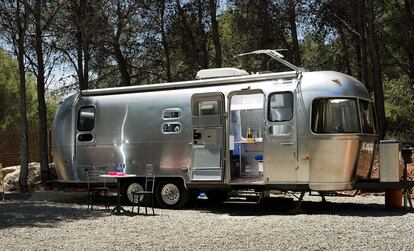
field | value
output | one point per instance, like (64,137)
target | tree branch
(395,60)
(344,24)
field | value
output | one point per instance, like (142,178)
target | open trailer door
(280,139)
(246,126)
(208,136)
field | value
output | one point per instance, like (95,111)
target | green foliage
(396,38)
(9,91)
(52,106)
(399,106)
(9,95)
(152,39)
(316,55)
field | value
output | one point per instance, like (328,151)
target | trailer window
(247,113)
(280,107)
(367,117)
(208,108)
(86,119)
(171,113)
(171,128)
(335,116)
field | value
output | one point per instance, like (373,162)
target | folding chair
(95,187)
(148,191)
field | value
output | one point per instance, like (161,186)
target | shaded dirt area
(59,220)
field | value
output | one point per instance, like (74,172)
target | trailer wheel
(130,187)
(171,194)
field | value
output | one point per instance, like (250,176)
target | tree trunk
(346,63)
(190,49)
(122,64)
(267,39)
(358,59)
(363,44)
(85,43)
(41,103)
(215,33)
(165,42)
(24,147)
(203,39)
(79,46)
(86,56)
(293,29)
(410,44)
(376,69)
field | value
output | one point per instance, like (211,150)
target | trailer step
(244,197)
(241,202)
(333,194)
(244,193)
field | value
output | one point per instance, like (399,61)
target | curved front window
(335,115)
(366,109)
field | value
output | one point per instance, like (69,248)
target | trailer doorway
(208,136)
(246,132)
(85,142)
(280,158)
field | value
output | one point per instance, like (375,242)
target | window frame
(169,123)
(85,141)
(335,97)
(372,103)
(218,112)
(175,109)
(232,94)
(269,97)
(78,118)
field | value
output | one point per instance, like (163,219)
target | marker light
(336,81)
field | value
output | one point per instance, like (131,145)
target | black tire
(128,187)
(171,194)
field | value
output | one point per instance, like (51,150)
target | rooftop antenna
(274,54)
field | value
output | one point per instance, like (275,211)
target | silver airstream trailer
(227,130)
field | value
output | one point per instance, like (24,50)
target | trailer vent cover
(220,73)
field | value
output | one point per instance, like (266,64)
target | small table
(118,209)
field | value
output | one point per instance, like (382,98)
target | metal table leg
(119,209)
(407,198)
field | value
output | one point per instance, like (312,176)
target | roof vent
(220,73)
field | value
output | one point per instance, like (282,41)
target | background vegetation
(52,47)
(9,92)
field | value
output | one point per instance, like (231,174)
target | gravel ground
(59,220)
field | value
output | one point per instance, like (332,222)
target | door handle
(286,143)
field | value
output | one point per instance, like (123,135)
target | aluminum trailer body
(294,130)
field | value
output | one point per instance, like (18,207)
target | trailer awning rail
(194,83)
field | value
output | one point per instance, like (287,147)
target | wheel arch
(181,179)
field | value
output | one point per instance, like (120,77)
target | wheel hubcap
(134,187)
(170,194)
